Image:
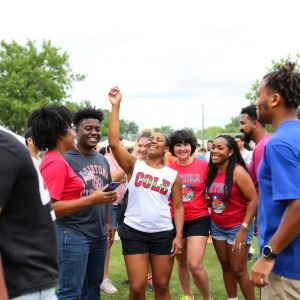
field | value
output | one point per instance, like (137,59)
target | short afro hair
(87,113)
(182,136)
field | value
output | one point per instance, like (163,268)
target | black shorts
(196,227)
(138,242)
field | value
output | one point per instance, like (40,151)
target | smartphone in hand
(112,186)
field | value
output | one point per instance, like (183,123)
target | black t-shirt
(28,245)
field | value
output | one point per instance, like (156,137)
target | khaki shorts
(281,288)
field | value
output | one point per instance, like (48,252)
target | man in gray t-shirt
(87,228)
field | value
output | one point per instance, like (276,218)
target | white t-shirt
(149,190)
(247,156)
(207,156)
(36,162)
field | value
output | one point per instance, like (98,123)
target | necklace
(88,161)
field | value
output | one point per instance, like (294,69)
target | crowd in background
(59,214)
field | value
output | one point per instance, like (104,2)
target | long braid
(287,83)
(235,158)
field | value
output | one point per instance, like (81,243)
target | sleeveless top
(226,213)
(149,190)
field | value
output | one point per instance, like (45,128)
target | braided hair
(235,158)
(287,83)
(47,123)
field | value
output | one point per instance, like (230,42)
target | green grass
(118,273)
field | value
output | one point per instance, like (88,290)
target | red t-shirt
(193,178)
(226,213)
(60,179)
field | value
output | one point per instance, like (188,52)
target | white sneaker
(108,287)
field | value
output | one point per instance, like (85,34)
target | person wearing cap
(34,152)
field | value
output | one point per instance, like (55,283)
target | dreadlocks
(235,158)
(287,83)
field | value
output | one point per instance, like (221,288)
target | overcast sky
(168,57)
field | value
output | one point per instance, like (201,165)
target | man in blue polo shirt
(277,271)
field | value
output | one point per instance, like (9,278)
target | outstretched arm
(124,159)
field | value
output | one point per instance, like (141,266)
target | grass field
(118,273)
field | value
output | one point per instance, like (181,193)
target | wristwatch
(267,252)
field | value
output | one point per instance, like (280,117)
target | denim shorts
(228,234)
(113,210)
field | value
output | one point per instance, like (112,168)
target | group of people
(57,222)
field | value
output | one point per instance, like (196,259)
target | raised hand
(115,95)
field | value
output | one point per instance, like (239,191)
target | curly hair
(47,123)
(87,113)
(235,158)
(287,83)
(182,136)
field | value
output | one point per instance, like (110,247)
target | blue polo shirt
(279,182)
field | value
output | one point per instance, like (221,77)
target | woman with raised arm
(148,231)
(234,203)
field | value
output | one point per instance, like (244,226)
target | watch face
(266,251)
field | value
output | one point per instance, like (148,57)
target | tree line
(31,76)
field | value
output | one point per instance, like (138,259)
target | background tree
(251,96)
(73,106)
(128,129)
(31,76)
(233,126)
(164,129)
(210,133)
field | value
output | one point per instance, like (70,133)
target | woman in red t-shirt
(234,203)
(192,172)
(51,132)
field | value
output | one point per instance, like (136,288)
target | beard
(247,136)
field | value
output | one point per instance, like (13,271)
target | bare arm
(176,196)
(124,159)
(117,175)
(67,207)
(247,188)
(178,206)
(3,290)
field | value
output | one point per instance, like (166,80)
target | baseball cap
(28,134)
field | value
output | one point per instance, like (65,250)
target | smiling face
(89,133)
(157,145)
(182,151)
(220,152)
(141,148)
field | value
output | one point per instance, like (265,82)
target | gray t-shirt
(95,173)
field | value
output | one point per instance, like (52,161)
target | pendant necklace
(87,160)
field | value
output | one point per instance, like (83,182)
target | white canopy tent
(126,143)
